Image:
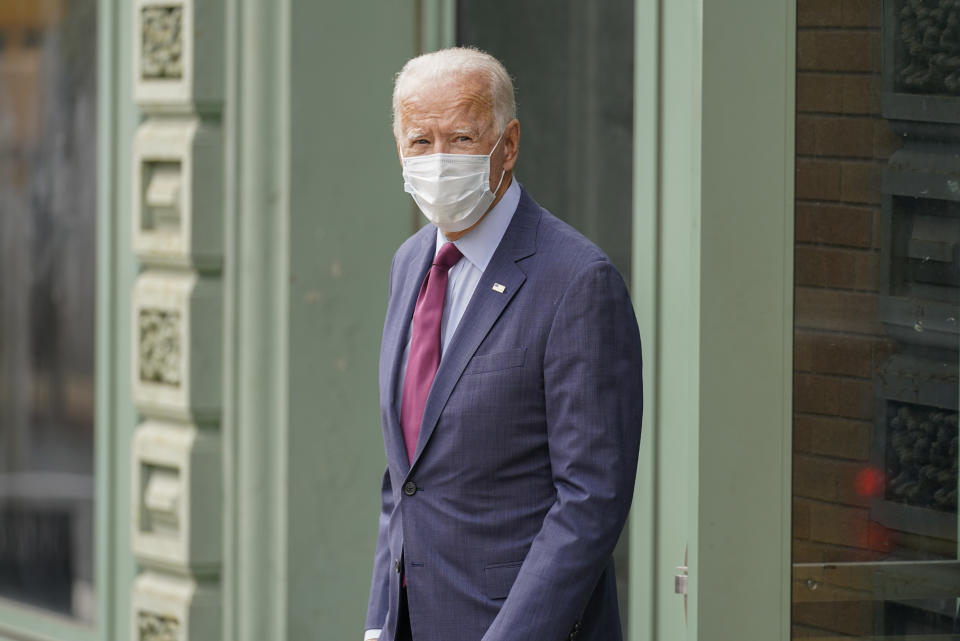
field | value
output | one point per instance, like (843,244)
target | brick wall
(842,145)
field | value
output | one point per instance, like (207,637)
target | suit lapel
(398,322)
(485,307)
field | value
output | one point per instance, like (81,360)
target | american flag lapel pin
(497,287)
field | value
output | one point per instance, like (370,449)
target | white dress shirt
(477,248)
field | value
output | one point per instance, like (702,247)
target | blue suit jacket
(524,470)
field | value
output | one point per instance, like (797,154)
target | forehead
(456,101)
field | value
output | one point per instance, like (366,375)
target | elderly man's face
(456,117)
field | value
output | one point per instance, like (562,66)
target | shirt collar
(479,245)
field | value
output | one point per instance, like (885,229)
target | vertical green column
(741,587)
(117,118)
(713,256)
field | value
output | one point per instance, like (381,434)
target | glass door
(572,64)
(877,303)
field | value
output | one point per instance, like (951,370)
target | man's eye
(421,141)
(463,138)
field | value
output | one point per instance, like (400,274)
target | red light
(869,482)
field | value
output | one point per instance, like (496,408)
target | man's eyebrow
(416,133)
(413,134)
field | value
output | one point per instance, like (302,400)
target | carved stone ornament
(154,627)
(161,55)
(160,350)
(929,31)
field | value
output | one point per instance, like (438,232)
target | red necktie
(424,356)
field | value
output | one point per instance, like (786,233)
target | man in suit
(510,387)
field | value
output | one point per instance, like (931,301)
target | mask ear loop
(496,144)
(503,172)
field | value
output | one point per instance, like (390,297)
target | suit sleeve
(593,395)
(379,584)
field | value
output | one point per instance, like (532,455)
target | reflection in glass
(572,64)
(926,42)
(877,303)
(47,227)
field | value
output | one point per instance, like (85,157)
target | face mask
(452,190)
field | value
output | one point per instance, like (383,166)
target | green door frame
(713,251)
(644,593)
(117,270)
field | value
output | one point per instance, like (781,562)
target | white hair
(454,61)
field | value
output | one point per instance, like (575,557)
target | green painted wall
(348,214)
(316,211)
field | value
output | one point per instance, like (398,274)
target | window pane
(877,293)
(47,231)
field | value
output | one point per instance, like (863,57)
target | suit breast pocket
(499,578)
(483,363)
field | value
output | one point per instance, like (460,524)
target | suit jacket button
(396,565)
(410,488)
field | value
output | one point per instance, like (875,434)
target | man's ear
(511,144)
